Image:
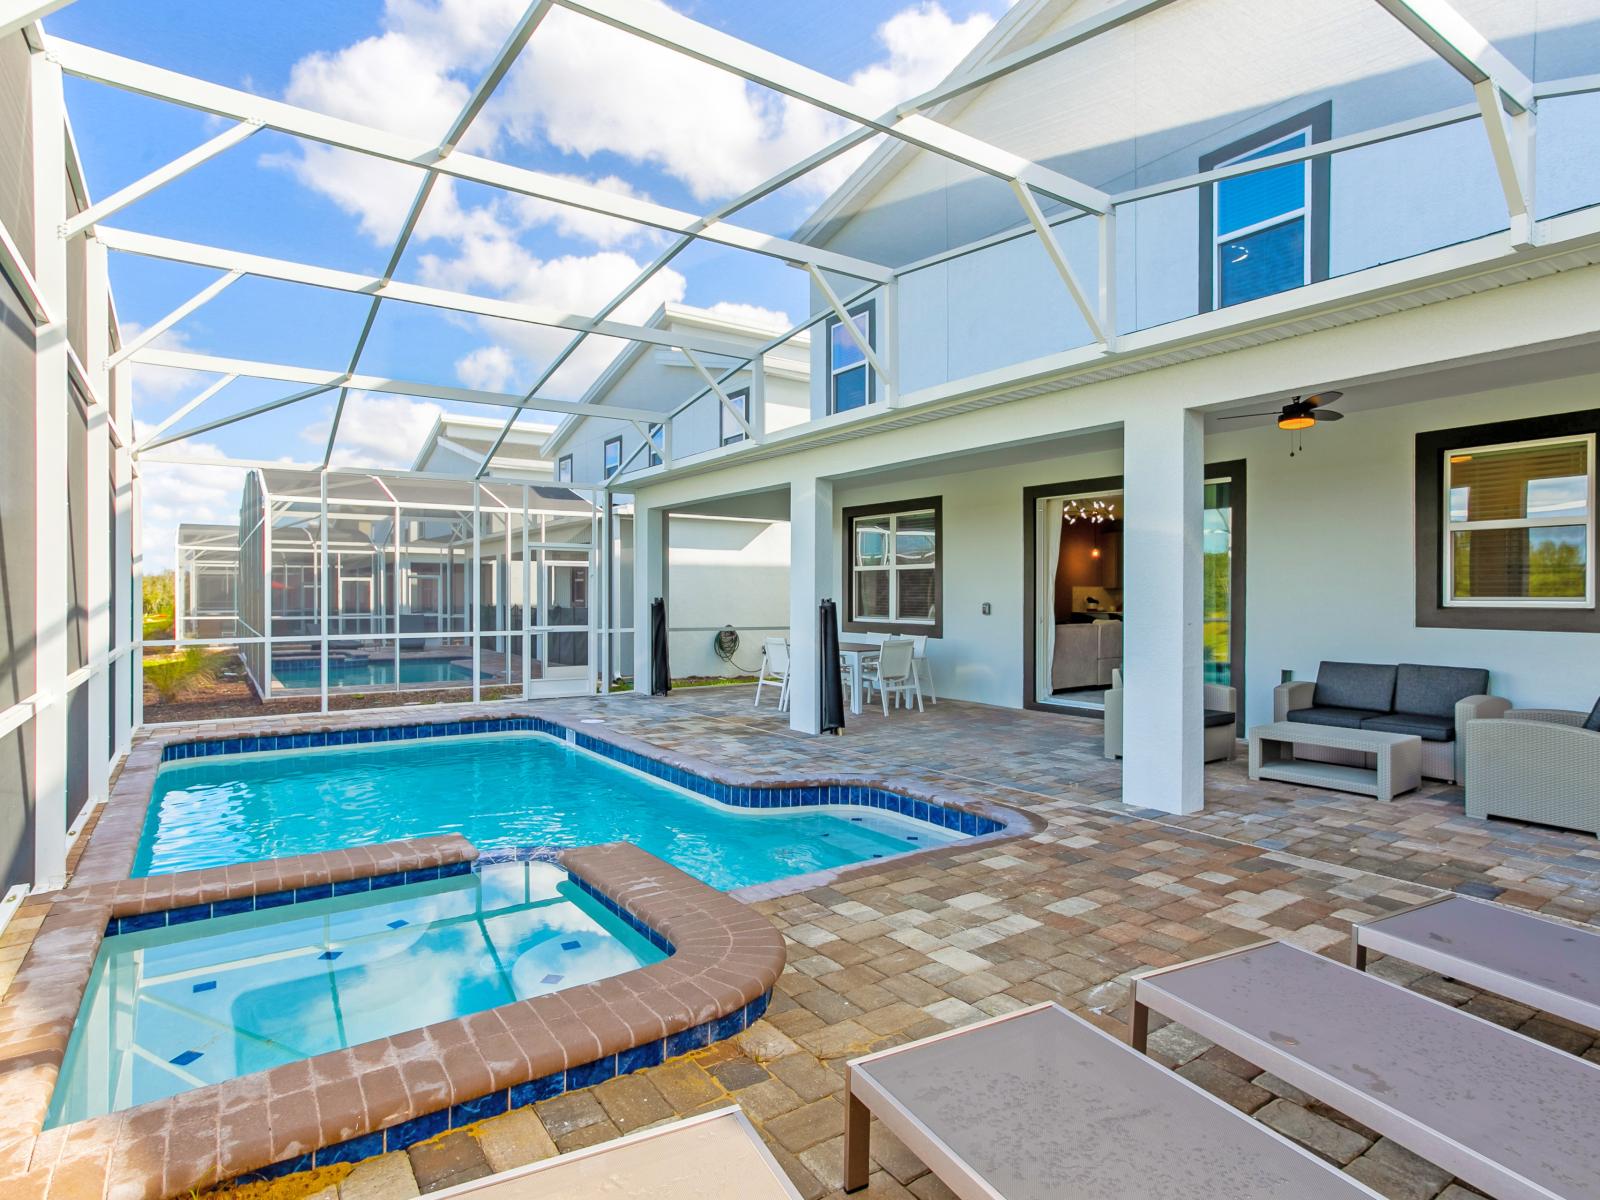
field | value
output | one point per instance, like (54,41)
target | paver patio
(922,945)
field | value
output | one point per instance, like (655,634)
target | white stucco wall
(1143,104)
(723,571)
(1330,567)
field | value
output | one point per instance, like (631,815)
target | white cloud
(586,89)
(488,368)
(378,430)
(753,314)
(157,387)
(173,493)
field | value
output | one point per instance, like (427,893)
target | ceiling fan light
(1296,421)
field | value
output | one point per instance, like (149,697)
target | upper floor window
(850,383)
(731,430)
(1267,231)
(658,443)
(896,575)
(1519,524)
(564,469)
(612,456)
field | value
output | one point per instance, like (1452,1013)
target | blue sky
(584,100)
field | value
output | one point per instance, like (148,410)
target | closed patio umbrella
(830,687)
(660,669)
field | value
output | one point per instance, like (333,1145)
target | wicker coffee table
(1397,758)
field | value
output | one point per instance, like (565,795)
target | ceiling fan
(1298,414)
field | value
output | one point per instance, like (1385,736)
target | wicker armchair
(1221,736)
(1535,764)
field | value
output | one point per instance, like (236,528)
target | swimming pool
(496,790)
(182,1006)
(366,672)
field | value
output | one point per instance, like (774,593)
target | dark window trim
(869,307)
(1320,120)
(1432,612)
(605,456)
(849,516)
(1236,471)
(564,469)
(730,439)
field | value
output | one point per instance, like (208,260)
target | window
(850,383)
(731,432)
(613,456)
(658,444)
(895,578)
(564,469)
(1265,232)
(1519,524)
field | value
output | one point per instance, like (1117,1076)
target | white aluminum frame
(1450,527)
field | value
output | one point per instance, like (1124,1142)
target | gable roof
(1024,22)
(519,451)
(675,314)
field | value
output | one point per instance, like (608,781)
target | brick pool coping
(352,1103)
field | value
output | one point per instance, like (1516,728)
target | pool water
(496,790)
(366,672)
(184,1006)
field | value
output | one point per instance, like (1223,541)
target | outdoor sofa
(1536,764)
(1431,702)
(1221,720)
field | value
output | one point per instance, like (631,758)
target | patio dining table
(853,655)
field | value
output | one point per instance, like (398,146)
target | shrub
(175,675)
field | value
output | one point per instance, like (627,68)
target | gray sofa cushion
(1343,718)
(1433,691)
(1368,686)
(1217,716)
(1593,719)
(1423,725)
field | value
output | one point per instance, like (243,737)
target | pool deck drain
(896,951)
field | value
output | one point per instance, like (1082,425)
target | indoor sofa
(1434,703)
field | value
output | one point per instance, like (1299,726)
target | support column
(51,403)
(98,571)
(650,533)
(810,579)
(126,604)
(1163,710)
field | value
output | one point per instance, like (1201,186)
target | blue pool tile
(113,927)
(315,891)
(185,1058)
(418,1129)
(368,1145)
(637,1059)
(538,1089)
(600,1070)
(209,985)
(273,900)
(289,1166)
(141,921)
(725,1027)
(479,1109)
(398,923)
(570,945)
(686,1040)
(392,879)
(347,887)
(551,980)
(451,870)
(330,955)
(422,874)
(229,908)
(193,912)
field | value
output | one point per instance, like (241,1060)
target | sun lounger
(717,1156)
(1509,1115)
(1545,964)
(1041,1105)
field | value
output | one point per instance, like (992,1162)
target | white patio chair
(894,671)
(923,668)
(774,670)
